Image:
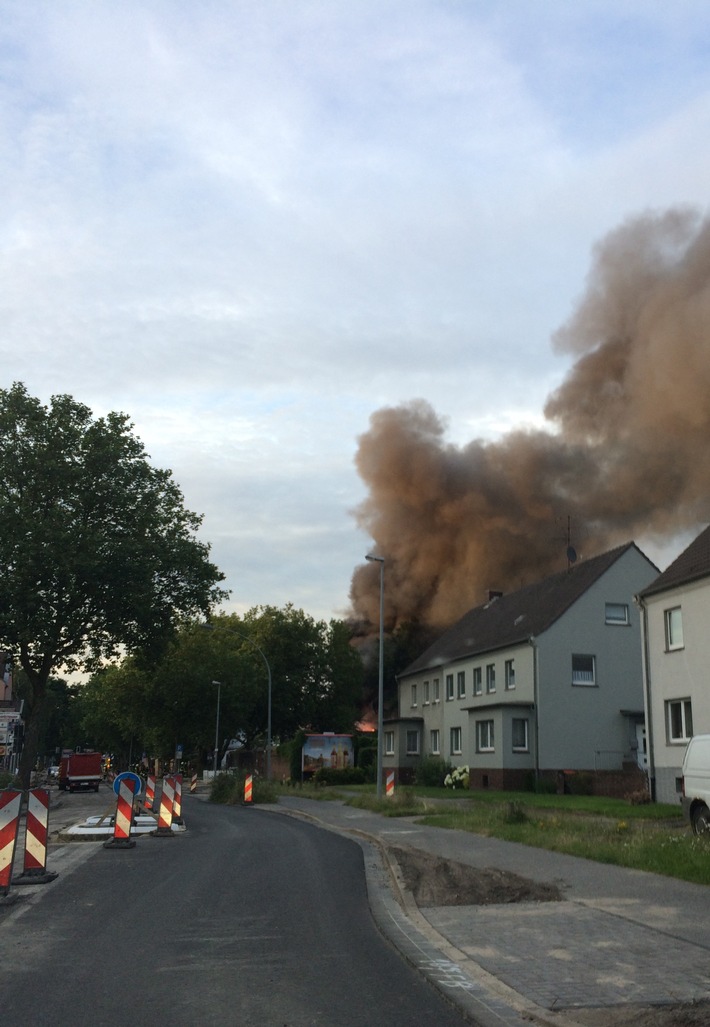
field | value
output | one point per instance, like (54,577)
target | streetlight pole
(216,729)
(381,676)
(233,631)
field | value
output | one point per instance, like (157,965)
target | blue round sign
(128,775)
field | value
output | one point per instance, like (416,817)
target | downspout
(536,771)
(646,670)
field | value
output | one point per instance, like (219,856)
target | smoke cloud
(626,455)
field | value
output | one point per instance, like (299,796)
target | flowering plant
(458,778)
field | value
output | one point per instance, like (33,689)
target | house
(544,680)
(675,616)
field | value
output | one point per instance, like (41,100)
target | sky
(251,226)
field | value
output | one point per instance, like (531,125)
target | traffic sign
(128,775)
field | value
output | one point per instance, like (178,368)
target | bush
(458,778)
(346,776)
(431,772)
(228,789)
(8,780)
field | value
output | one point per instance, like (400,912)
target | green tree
(97,549)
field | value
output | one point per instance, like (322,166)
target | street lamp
(380,684)
(233,631)
(216,729)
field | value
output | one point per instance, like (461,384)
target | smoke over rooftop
(626,455)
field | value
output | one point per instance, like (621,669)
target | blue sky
(250,225)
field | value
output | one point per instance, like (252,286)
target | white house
(676,615)
(544,680)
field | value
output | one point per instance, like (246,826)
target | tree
(97,549)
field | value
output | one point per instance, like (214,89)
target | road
(249,917)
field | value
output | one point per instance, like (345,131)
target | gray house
(676,614)
(544,680)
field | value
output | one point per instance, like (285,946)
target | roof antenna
(571,551)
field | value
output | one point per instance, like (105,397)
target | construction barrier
(35,862)
(247,789)
(127,788)
(165,812)
(193,783)
(149,792)
(390,784)
(9,821)
(177,800)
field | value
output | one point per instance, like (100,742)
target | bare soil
(434,881)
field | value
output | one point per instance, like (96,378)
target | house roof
(512,619)
(692,564)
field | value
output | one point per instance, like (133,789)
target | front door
(641,751)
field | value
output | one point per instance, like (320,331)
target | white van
(695,795)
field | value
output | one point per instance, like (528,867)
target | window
(491,677)
(509,674)
(674,628)
(455,736)
(426,693)
(412,743)
(436,689)
(583,669)
(679,720)
(414,695)
(616,613)
(484,735)
(449,686)
(520,735)
(434,743)
(477,681)
(389,743)
(461,684)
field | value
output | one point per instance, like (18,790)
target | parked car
(695,793)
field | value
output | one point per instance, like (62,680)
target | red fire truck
(80,770)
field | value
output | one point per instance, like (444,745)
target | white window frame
(509,675)
(478,681)
(461,684)
(525,747)
(435,741)
(584,678)
(485,738)
(490,678)
(412,735)
(389,743)
(683,710)
(617,614)
(449,687)
(437,697)
(414,696)
(673,619)
(426,693)
(456,741)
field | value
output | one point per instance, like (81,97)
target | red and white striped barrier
(390,784)
(177,800)
(35,862)
(127,787)
(247,790)
(193,783)
(9,821)
(149,792)
(165,813)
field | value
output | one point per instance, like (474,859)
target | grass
(651,837)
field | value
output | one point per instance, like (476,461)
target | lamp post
(216,729)
(380,682)
(233,631)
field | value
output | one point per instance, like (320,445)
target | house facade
(530,685)
(675,611)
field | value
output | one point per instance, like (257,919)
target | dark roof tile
(692,564)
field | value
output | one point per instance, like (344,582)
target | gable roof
(512,619)
(692,564)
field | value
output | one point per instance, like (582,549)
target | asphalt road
(249,917)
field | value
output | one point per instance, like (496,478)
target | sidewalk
(619,938)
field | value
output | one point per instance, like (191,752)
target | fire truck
(80,770)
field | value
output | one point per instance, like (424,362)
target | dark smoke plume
(627,455)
